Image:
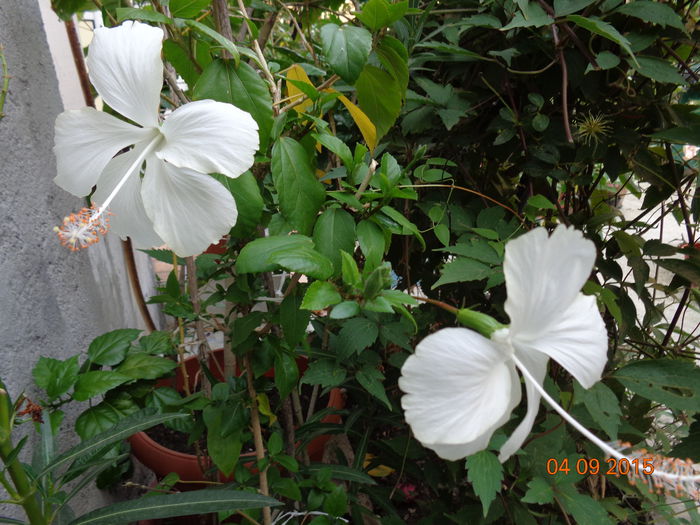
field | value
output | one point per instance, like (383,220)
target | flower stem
(24,489)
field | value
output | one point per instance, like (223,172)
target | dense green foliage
(402,145)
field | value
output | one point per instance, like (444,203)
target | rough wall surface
(52,302)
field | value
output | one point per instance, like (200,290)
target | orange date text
(593,466)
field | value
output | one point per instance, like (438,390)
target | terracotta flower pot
(162,460)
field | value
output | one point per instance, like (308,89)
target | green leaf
(103,416)
(346,49)
(597,26)
(539,492)
(407,226)
(217,37)
(605,60)
(371,380)
(55,376)
(374,14)
(394,57)
(478,249)
(584,509)
(110,349)
(324,372)
(241,86)
(169,505)
(249,203)
(462,270)
(540,122)
(602,405)
(344,310)
(350,271)
(680,135)
(356,335)
(485,473)
(127,426)
(334,231)
(320,295)
(96,382)
(254,257)
(687,269)
(147,15)
(379,95)
(162,255)
(224,448)
(659,69)
(336,503)
(372,243)
(541,202)
(293,319)
(339,472)
(144,366)
(532,15)
(187,8)
(158,342)
(566,7)
(654,13)
(304,260)
(337,146)
(300,193)
(675,384)
(287,488)
(286,373)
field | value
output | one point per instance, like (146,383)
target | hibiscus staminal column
(85,228)
(669,475)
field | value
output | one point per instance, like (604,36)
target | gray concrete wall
(52,302)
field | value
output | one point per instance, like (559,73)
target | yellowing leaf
(320,173)
(264,408)
(379,471)
(367,128)
(296,72)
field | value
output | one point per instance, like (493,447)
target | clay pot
(162,460)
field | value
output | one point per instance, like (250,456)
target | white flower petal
(127,215)
(210,137)
(126,69)
(458,385)
(455,452)
(189,210)
(576,339)
(544,274)
(85,141)
(536,364)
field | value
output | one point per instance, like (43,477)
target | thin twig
(564,84)
(257,435)
(261,58)
(171,78)
(299,31)
(682,62)
(203,350)
(321,87)
(222,22)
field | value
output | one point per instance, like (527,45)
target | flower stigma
(83,229)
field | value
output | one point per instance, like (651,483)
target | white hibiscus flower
(175,201)
(460,386)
